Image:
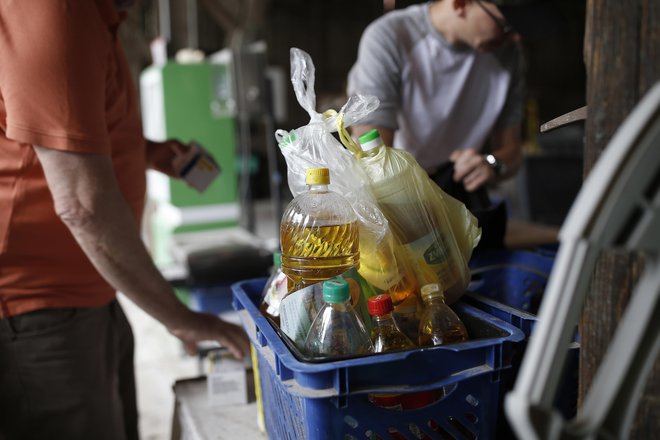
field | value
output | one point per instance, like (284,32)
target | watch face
(494,163)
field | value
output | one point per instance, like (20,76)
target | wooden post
(622,56)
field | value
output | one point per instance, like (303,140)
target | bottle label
(430,259)
(297,311)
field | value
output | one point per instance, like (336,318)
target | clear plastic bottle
(422,240)
(318,234)
(337,329)
(275,290)
(385,335)
(439,324)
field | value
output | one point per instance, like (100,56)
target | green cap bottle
(335,290)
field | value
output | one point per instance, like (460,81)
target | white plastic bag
(391,259)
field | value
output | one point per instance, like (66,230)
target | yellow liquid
(404,289)
(454,334)
(384,271)
(388,338)
(314,254)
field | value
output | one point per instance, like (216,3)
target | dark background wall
(330,31)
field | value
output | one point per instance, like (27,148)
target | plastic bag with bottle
(390,256)
(314,146)
(436,232)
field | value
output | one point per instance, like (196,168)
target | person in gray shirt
(450,80)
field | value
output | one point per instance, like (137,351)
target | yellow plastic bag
(436,232)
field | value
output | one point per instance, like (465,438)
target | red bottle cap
(380,304)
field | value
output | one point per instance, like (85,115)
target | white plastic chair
(618,207)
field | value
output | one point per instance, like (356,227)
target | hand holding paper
(196,166)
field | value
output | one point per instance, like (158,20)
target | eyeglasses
(501,23)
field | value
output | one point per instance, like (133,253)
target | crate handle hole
(350,421)
(472,400)
(394,434)
(460,427)
(435,427)
(417,432)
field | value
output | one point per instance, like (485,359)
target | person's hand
(471,168)
(164,156)
(206,327)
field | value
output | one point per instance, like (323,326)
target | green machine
(190,102)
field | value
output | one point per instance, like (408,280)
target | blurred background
(256,35)
(217,71)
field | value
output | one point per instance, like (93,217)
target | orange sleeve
(52,79)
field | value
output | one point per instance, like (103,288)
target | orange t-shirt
(65,85)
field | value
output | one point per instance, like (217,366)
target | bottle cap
(317,176)
(289,139)
(277,259)
(370,140)
(380,304)
(336,290)
(432,290)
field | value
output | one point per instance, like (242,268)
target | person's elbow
(74,213)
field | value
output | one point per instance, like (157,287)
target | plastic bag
(437,232)
(313,146)
(391,258)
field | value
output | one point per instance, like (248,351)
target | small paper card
(226,380)
(197,167)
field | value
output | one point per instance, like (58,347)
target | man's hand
(161,155)
(471,168)
(200,327)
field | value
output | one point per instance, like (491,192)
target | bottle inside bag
(337,330)
(318,234)
(409,215)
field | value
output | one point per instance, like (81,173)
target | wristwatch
(496,164)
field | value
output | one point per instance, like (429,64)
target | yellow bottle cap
(317,176)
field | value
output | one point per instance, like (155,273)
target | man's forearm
(110,239)
(89,202)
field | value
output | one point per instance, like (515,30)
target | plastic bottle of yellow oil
(318,234)
(410,217)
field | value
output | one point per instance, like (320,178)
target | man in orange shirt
(72,188)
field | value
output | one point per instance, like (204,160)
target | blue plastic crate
(509,284)
(329,400)
(213,299)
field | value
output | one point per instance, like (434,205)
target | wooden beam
(622,56)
